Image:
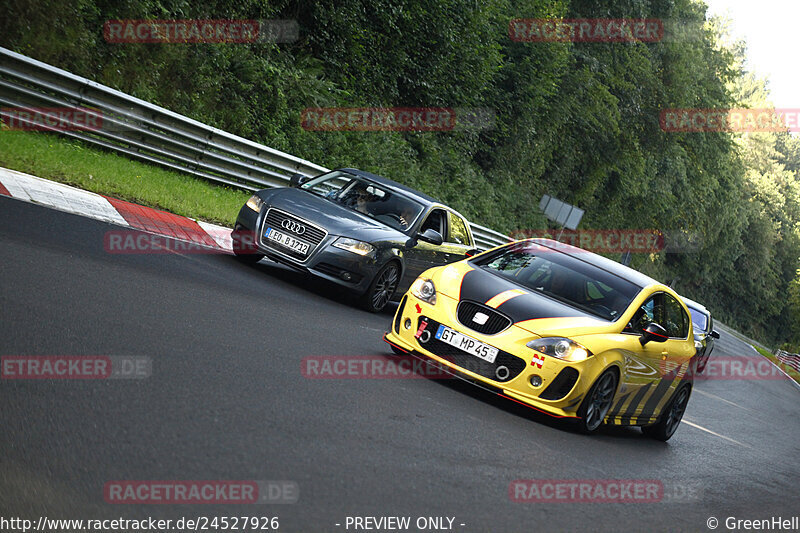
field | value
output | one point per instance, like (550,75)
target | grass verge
(786,368)
(74,163)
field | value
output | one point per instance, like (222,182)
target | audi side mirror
(714,333)
(432,236)
(653,332)
(297,180)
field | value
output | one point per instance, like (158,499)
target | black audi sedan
(704,333)
(363,232)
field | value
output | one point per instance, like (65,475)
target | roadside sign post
(560,212)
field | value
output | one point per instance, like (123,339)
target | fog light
(407,323)
(536,381)
(347,276)
(502,373)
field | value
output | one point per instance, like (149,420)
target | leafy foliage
(579,121)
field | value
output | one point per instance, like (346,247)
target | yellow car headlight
(425,290)
(561,348)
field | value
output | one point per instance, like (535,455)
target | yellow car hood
(529,310)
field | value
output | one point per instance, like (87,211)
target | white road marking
(704,393)
(701,428)
(382,330)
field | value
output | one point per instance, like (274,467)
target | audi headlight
(352,245)
(561,348)
(255,203)
(425,290)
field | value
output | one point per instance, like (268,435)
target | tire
(598,401)
(671,417)
(246,253)
(382,288)
(247,257)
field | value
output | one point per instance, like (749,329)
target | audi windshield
(368,198)
(699,319)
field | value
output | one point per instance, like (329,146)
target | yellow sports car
(565,331)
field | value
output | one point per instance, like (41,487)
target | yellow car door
(654,368)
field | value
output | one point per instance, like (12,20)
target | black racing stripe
(637,399)
(481,287)
(649,408)
(614,411)
(530,306)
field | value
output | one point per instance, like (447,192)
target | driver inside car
(358,198)
(406,216)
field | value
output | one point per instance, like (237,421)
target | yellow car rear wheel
(671,417)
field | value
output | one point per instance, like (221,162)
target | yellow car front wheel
(595,406)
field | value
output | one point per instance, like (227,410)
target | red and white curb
(77,201)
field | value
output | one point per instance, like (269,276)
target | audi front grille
(294,226)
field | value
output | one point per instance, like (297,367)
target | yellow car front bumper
(563,384)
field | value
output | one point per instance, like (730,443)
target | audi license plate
(287,240)
(468,344)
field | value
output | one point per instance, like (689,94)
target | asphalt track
(227,400)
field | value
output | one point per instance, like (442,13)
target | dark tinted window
(675,320)
(435,221)
(650,311)
(664,310)
(562,277)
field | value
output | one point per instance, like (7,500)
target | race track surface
(227,401)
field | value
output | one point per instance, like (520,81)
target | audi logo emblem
(294,227)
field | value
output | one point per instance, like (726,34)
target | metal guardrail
(150,133)
(790,359)
(488,238)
